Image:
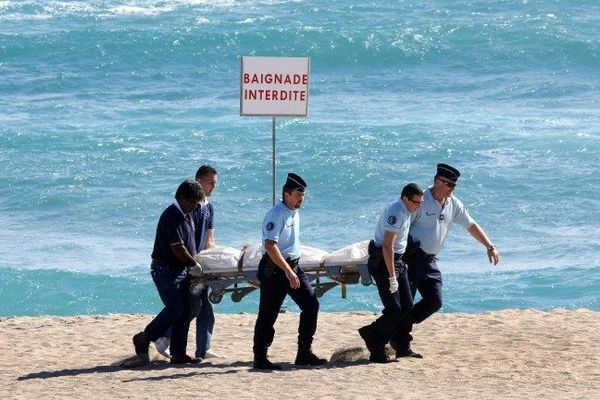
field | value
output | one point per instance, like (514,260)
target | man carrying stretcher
(280,275)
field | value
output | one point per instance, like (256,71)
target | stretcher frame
(241,282)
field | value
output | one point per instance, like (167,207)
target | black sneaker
(141,343)
(264,364)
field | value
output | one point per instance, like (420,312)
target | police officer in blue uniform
(389,271)
(428,231)
(279,275)
(174,251)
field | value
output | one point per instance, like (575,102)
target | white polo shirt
(431,223)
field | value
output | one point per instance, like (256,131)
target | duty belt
(293,263)
(426,256)
(373,249)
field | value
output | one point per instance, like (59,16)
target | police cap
(294,182)
(447,172)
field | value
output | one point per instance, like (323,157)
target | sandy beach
(507,354)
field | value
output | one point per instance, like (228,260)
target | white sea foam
(16,17)
(124,10)
(134,150)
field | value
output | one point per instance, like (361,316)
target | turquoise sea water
(106,106)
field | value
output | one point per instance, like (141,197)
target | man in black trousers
(279,275)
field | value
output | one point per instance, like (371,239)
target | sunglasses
(449,184)
(415,202)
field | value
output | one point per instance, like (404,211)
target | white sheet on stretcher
(354,254)
(222,259)
(311,257)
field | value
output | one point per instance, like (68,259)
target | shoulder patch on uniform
(391,220)
(270,226)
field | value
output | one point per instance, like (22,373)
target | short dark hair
(205,170)
(289,191)
(412,189)
(190,190)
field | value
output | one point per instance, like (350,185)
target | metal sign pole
(273,160)
(289,88)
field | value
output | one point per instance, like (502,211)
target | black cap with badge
(448,172)
(294,182)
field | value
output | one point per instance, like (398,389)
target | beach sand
(495,355)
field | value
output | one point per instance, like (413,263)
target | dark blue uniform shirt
(173,228)
(203,217)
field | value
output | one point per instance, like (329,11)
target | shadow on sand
(339,359)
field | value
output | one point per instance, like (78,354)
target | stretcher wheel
(196,288)
(237,296)
(366,281)
(215,298)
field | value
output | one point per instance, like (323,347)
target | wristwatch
(491,247)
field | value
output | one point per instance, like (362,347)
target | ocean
(107,105)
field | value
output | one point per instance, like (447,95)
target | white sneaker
(211,354)
(162,346)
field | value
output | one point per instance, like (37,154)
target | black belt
(293,263)
(426,256)
(270,269)
(373,249)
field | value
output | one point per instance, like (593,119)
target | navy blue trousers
(425,277)
(274,286)
(395,305)
(200,308)
(173,290)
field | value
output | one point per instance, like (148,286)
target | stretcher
(229,270)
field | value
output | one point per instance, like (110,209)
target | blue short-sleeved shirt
(427,227)
(395,218)
(203,217)
(173,228)
(282,225)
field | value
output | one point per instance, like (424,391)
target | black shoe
(380,358)
(366,334)
(141,343)
(183,359)
(264,364)
(375,347)
(407,353)
(308,358)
